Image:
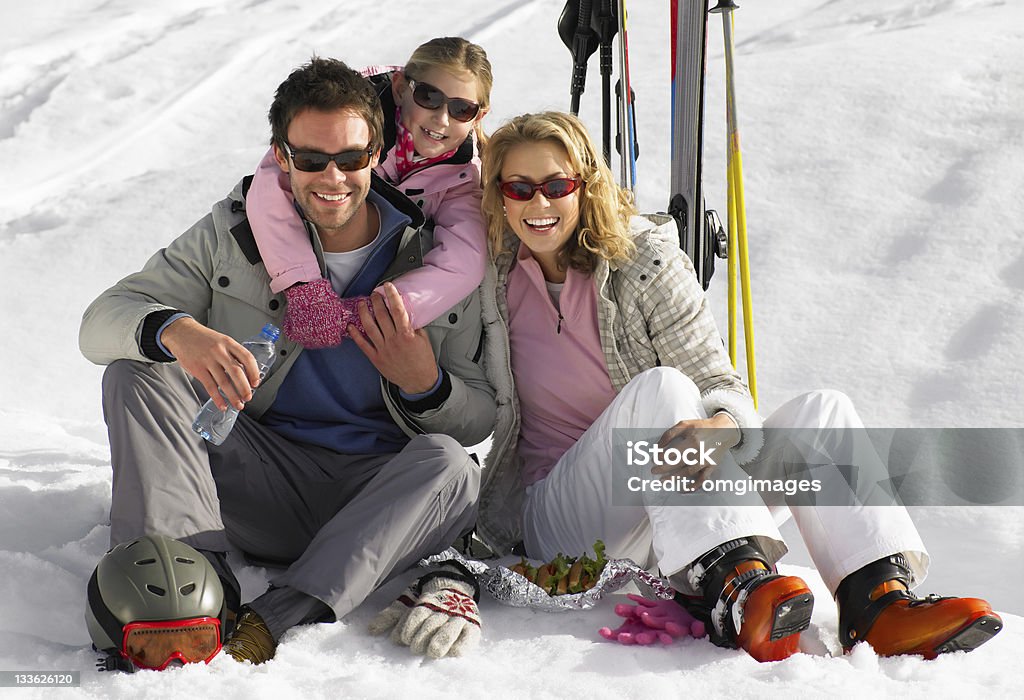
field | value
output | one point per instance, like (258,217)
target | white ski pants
(572,507)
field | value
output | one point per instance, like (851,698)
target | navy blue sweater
(332,397)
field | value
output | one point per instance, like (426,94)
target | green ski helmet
(162,586)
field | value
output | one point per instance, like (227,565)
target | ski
(697,236)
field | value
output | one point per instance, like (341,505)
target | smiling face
(334,200)
(433,130)
(543,225)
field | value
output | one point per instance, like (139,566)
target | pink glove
(316,317)
(632,631)
(652,620)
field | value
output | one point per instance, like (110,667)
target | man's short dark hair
(326,85)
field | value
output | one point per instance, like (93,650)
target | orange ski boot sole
(774,615)
(972,636)
(960,624)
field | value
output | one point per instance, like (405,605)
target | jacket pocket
(634,343)
(242,301)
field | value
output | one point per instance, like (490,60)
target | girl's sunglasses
(315,162)
(429,97)
(555,188)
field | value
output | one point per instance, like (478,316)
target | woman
(607,330)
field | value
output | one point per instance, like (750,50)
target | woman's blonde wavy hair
(455,54)
(605,207)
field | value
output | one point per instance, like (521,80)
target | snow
(881,144)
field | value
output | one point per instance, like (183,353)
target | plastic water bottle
(214,424)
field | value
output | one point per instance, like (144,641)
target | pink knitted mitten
(316,317)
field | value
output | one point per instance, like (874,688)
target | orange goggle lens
(154,645)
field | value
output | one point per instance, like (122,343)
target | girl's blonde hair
(605,207)
(453,53)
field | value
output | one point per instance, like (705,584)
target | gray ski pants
(342,524)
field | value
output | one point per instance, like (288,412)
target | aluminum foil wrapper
(510,588)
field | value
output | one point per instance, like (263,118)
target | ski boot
(876,606)
(746,604)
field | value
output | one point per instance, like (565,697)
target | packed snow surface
(882,145)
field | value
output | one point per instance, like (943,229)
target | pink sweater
(559,368)
(448,194)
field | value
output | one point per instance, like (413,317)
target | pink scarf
(406,159)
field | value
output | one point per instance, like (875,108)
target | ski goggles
(429,97)
(556,188)
(154,645)
(315,162)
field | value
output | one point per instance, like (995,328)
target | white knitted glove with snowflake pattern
(446,620)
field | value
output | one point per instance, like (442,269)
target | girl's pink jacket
(449,195)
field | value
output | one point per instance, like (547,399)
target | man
(346,465)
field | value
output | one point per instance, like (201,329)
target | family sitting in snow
(430,299)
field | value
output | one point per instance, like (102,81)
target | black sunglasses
(315,162)
(429,97)
(555,188)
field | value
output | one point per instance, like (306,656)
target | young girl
(607,329)
(432,108)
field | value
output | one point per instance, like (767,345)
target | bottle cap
(271,331)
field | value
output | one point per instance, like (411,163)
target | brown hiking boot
(749,605)
(251,640)
(877,607)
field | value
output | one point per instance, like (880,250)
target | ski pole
(607,26)
(737,207)
(574,27)
(731,258)
(627,137)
